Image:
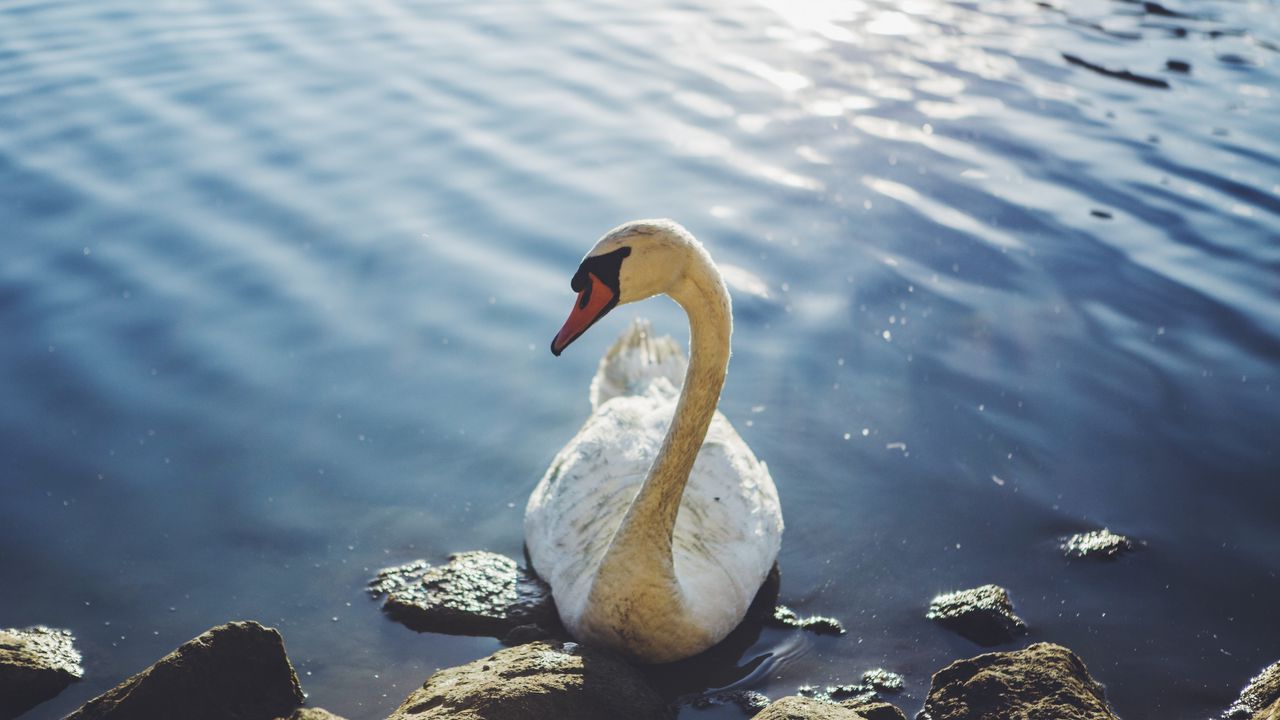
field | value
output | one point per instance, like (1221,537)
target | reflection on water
(277,281)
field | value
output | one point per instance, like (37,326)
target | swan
(655,525)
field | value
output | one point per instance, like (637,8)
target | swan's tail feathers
(635,362)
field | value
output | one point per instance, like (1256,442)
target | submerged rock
(1260,699)
(856,694)
(535,681)
(817,624)
(795,707)
(882,680)
(982,614)
(1041,681)
(749,701)
(238,670)
(476,593)
(837,693)
(1102,544)
(35,664)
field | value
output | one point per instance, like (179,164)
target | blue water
(277,282)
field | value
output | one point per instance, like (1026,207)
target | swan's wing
(635,361)
(729,529)
(580,501)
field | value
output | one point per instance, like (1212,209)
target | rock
(882,680)
(794,707)
(817,624)
(1102,544)
(982,614)
(874,709)
(749,701)
(312,714)
(238,670)
(534,681)
(857,695)
(1260,699)
(837,693)
(476,593)
(1041,681)
(35,664)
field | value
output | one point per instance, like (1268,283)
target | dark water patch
(1125,75)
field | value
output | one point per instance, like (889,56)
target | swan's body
(656,525)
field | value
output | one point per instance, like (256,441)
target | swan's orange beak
(595,300)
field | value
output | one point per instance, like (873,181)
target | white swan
(654,545)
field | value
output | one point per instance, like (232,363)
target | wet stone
(312,714)
(238,670)
(749,701)
(1260,699)
(873,682)
(875,709)
(795,707)
(1101,544)
(35,664)
(836,693)
(816,624)
(982,614)
(475,593)
(882,680)
(1041,681)
(539,680)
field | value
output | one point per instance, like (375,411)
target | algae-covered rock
(1260,699)
(475,593)
(817,624)
(1041,681)
(795,707)
(535,681)
(35,664)
(235,671)
(1101,544)
(982,614)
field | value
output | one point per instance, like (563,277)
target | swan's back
(729,526)
(634,362)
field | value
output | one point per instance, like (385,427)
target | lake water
(277,282)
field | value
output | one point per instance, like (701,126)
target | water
(277,282)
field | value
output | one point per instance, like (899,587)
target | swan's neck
(639,561)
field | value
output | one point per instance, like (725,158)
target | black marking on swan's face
(605,267)
(597,276)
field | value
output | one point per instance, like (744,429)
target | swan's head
(631,262)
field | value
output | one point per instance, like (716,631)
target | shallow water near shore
(277,283)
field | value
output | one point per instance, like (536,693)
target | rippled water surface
(277,282)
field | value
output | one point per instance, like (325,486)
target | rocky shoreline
(240,670)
